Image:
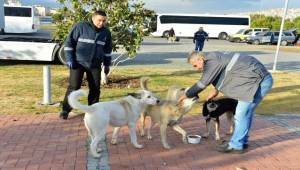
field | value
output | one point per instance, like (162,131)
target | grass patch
(47,27)
(21,88)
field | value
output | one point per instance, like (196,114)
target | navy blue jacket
(88,46)
(200,36)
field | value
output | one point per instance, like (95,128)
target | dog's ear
(135,95)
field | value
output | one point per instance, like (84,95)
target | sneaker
(227,149)
(63,115)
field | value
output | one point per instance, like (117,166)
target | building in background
(13,2)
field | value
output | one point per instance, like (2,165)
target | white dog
(125,111)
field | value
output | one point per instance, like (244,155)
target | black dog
(213,109)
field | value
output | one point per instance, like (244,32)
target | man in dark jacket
(87,47)
(199,38)
(237,76)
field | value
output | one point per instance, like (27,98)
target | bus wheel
(223,36)
(61,55)
(165,34)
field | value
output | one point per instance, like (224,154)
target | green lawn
(21,88)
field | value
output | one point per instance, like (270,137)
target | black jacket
(88,46)
(200,36)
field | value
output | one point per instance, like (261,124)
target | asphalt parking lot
(157,52)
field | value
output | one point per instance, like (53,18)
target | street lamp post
(280,34)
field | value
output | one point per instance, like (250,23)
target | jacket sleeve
(70,44)
(107,50)
(210,73)
(206,35)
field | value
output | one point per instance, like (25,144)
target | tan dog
(167,113)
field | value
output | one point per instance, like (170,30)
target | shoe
(63,115)
(227,149)
(245,146)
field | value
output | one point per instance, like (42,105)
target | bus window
(203,20)
(17,12)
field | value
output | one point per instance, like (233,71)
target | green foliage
(126,20)
(273,23)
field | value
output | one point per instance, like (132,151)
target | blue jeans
(244,114)
(199,45)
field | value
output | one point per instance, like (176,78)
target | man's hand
(72,65)
(212,95)
(106,70)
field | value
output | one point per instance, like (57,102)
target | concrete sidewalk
(45,142)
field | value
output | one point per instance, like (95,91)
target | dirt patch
(114,81)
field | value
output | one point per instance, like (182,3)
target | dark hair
(99,12)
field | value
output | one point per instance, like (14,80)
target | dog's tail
(144,83)
(74,102)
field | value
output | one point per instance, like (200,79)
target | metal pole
(280,34)
(47,85)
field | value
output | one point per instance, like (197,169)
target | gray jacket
(237,76)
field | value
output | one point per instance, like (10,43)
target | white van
(19,19)
(242,34)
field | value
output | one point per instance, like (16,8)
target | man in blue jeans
(237,76)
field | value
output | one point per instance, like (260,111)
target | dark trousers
(199,45)
(75,80)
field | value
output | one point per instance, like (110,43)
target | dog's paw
(138,146)
(149,137)
(229,133)
(166,146)
(142,134)
(96,153)
(184,140)
(205,135)
(218,138)
(114,141)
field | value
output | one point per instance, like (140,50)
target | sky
(198,6)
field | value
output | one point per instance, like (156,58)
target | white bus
(19,19)
(2,17)
(185,25)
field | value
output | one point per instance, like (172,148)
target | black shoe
(227,149)
(63,115)
(245,146)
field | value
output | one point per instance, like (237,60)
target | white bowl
(194,139)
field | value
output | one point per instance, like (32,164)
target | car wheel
(256,42)
(61,55)
(237,40)
(165,34)
(284,43)
(223,36)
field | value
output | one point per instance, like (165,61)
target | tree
(126,22)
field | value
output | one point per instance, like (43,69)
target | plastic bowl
(194,139)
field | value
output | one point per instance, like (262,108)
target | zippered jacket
(237,76)
(200,36)
(88,46)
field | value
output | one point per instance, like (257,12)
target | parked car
(265,38)
(242,34)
